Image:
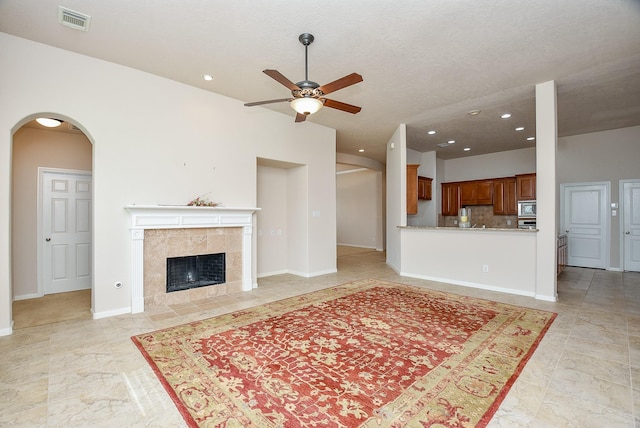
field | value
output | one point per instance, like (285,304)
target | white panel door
(584,220)
(66,228)
(631,225)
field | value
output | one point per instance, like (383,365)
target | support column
(137,271)
(546,189)
(247,281)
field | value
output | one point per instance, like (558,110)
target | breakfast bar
(497,259)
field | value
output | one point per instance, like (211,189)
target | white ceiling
(425,63)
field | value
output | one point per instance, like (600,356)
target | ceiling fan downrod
(306,39)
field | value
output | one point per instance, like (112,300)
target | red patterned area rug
(364,354)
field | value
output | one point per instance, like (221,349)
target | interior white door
(584,220)
(66,229)
(631,225)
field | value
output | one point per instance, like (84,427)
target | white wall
(396,194)
(427,210)
(357,207)
(155,141)
(493,165)
(271,221)
(601,156)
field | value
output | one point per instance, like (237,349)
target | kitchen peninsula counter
(473,229)
(496,259)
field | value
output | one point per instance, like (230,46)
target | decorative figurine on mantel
(201,201)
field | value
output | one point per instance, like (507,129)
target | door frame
(39,213)
(622,218)
(606,220)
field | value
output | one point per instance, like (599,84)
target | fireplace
(184,273)
(160,231)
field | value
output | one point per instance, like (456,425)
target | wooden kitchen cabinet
(526,187)
(477,192)
(450,198)
(504,196)
(424,188)
(412,189)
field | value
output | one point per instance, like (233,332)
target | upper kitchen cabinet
(526,187)
(412,189)
(504,196)
(478,192)
(450,198)
(424,188)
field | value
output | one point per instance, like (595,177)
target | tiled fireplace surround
(158,232)
(160,244)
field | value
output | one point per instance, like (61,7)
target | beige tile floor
(87,373)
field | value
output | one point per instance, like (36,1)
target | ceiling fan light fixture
(48,122)
(306,105)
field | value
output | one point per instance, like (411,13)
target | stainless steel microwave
(527,209)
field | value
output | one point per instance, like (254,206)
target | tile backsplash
(482,215)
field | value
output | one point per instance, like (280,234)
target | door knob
(48,239)
(627,233)
(567,231)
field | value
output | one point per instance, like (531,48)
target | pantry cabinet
(412,189)
(418,188)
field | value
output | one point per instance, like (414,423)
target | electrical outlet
(485,268)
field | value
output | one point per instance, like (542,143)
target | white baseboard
(277,272)
(324,272)
(27,296)
(7,331)
(474,285)
(111,313)
(357,246)
(547,298)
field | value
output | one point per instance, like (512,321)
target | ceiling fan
(307,97)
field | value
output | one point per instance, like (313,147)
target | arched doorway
(36,151)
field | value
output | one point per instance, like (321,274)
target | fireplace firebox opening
(188,272)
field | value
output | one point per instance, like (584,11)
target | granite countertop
(471,229)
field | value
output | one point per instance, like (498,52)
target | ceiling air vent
(72,19)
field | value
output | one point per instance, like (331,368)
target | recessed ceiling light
(207,77)
(531,138)
(361,150)
(520,128)
(473,112)
(451,141)
(466,149)
(432,132)
(48,122)
(506,116)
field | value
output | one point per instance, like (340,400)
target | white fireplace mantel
(179,217)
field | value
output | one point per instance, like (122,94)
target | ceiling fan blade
(301,117)
(257,103)
(343,82)
(279,77)
(341,106)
